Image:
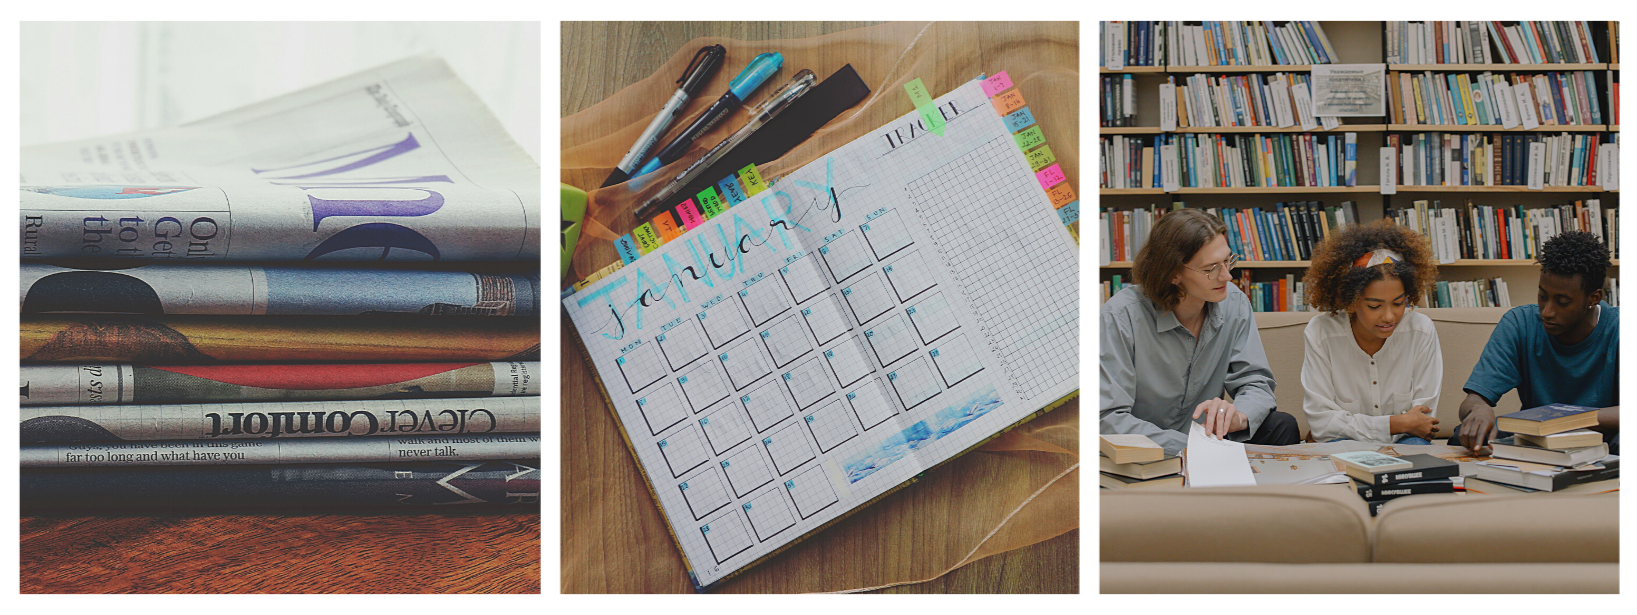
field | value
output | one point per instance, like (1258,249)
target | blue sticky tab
(1070,213)
(730,187)
(628,249)
(1018,120)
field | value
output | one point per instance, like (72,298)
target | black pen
(739,89)
(704,64)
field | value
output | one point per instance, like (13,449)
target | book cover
(1578,438)
(1512,448)
(1544,477)
(1141,471)
(1372,461)
(1548,419)
(1115,481)
(1423,467)
(1387,492)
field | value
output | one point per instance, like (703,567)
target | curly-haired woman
(1372,367)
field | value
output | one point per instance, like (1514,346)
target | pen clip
(704,62)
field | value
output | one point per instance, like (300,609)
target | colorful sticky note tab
(710,203)
(1051,176)
(918,95)
(1040,157)
(665,223)
(752,180)
(1028,139)
(646,238)
(996,84)
(690,214)
(730,189)
(1018,120)
(627,248)
(1061,194)
(1008,102)
(1069,213)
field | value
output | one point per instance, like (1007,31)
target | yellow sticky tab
(752,180)
(1041,158)
(647,238)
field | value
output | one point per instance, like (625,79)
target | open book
(871,315)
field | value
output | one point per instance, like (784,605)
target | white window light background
(87,79)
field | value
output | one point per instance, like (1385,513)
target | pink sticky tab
(1049,176)
(996,84)
(690,214)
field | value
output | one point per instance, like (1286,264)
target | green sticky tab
(646,238)
(930,117)
(1041,158)
(752,180)
(710,203)
(1028,139)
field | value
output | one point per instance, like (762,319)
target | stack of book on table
(1382,478)
(1550,451)
(1133,461)
(304,302)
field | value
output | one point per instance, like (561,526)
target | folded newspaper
(398,163)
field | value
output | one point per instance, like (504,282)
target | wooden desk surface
(597,466)
(471,552)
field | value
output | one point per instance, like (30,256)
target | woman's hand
(1418,422)
(1221,418)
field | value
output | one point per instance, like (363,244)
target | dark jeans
(1278,429)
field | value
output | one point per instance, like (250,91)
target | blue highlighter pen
(742,86)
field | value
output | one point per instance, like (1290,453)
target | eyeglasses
(1227,265)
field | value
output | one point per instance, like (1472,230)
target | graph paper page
(865,317)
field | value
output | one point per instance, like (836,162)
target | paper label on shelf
(1304,107)
(1537,166)
(1168,107)
(1507,103)
(1609,159)
(1389,170)
(996,84)
(1168,169)
(1526,108)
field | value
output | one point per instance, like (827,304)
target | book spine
(423,483)
(1416,474)
(253,452)
(271,421)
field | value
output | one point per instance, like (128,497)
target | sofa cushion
(1452,528)
(1223,578)
(1285,524)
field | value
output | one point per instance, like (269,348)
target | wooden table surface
(596,462)
(463,552)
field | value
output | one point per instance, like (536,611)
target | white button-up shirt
(1350,394)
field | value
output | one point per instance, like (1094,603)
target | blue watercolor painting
(899,445)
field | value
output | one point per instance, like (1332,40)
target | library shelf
(1496,67)
(1132,69)
(1494,128)
(1591,189)
(1255,68)
(1129,130)
(1464,262)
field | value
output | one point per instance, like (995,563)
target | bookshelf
(1364,43)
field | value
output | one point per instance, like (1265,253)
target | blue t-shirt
(1521,355)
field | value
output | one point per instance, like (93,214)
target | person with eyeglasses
(1181,338)
(1371,365)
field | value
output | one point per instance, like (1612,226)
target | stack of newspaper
(327,298)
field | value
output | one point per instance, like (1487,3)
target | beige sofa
(1321,538)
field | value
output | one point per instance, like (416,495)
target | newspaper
(399,163)
(124,383)
(238,452)
(280,420)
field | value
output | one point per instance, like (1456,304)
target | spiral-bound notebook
(833,335)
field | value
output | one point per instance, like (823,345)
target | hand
(1221,418)
(1418,422)
(1478,428)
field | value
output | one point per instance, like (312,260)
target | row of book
(1119,107)
(1214,43)
(1482,159)
(1288,232)
(1279,99)
(1506,232)
(1490,292)
(1568,98)
(1490,42)
(1229,160)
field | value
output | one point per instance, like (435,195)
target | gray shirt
(1154,372)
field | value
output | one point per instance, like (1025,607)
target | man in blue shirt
(1563,350)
